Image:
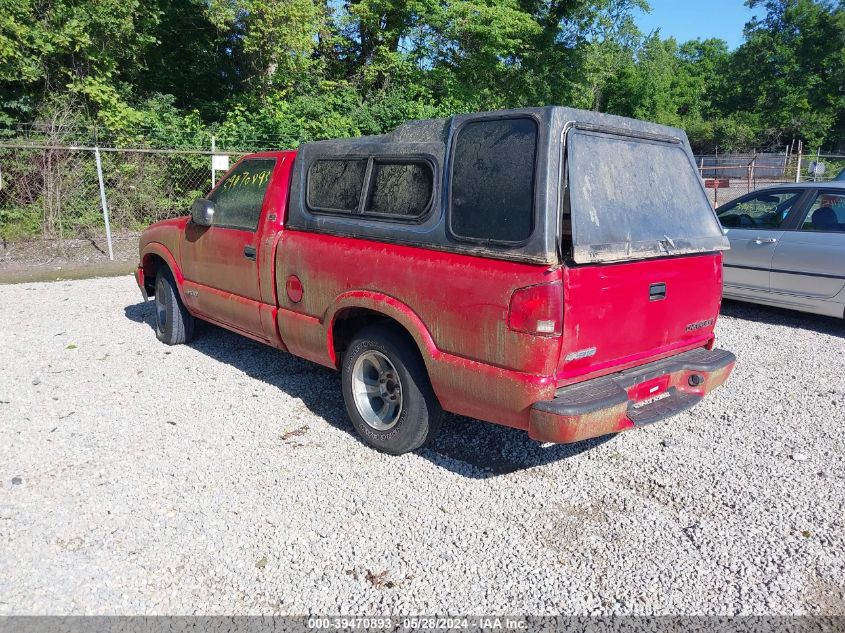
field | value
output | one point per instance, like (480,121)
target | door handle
(657,292)
(249,252)
(765,240)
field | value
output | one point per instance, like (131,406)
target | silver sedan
(788,247)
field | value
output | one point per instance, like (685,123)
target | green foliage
(146,188)
(272,41)
(791,70)
(73,46)
(263,73)
(19,223)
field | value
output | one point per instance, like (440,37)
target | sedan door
(753,224)
(810,261)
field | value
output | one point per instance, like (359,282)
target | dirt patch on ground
(64,273)
(50,260)
(825,598)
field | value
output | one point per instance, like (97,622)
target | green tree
(273,41)
(81,47)
(299,69)
(192,60)
(604,40)
(791,70)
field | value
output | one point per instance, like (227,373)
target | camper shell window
(492,184)
(399,188)
(633,196)
(393,188)
(334,185)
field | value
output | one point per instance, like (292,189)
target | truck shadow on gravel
(468,447)
(771,315)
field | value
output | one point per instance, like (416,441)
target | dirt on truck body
(518,267)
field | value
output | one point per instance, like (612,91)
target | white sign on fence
(220,162)
(816,168)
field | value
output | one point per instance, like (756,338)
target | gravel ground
(223,477)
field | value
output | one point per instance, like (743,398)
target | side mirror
(202,212)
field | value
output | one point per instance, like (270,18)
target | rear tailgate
(620,315)
(644,278)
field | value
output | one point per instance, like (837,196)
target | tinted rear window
(632,198)
(335,185)
(492,196)
(400,188)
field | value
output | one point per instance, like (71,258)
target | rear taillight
(537,310)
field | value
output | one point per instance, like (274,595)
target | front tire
(387,392)
(174,324)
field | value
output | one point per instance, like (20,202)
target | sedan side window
(239,198)
(826,214)
(764,211)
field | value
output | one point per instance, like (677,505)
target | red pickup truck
(548,269)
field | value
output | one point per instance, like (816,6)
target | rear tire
(174,324)
(387,392)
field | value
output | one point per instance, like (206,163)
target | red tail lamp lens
(537,310)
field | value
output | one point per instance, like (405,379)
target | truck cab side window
(492,185)
(239,198)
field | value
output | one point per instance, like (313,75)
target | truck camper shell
(554,185)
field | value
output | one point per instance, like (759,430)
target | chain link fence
(727,176)
(52,199)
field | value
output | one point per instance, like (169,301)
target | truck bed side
(478,366)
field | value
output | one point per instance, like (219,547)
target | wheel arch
(358,309)
(154,256)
